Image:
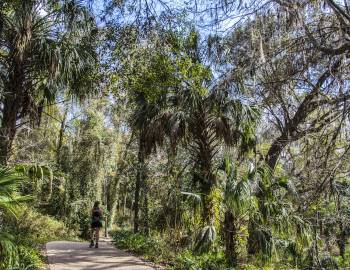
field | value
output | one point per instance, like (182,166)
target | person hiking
(96,224)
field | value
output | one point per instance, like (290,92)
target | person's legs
(97,235)
(92,230)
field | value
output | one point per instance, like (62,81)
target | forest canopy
(214,133)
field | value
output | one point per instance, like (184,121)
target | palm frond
(10,182)
(238,195)
(205,239)
(194,196)
(8,250)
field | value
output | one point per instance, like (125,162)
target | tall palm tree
(45,48)
(172,100)
(205,123)
(204,118)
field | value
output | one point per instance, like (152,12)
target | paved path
(63,255)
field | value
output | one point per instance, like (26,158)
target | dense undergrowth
(159,250)
(23,237)
(156,249)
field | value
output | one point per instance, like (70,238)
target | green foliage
(79,218)
(8,251)
(9,196)
(9,202)
(205,239)
(30,227)
(151,248)
(206,261)
(27,233)
(24,229)
(344,262)
(157,68)
(214,201)
(29,259)
(158,250)
(165,117)
(23,258)
(40,180)
(55,59)
(238,195)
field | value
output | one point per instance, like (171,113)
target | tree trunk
(8,124)
(275,151)
(258,240)
(205,149)
(207,179)
(230,239)
(136,202)
(12,103)
(124,203)
(16,99)
(140,178)
(207,204)
(146,228)
(112,198)
(251,241)
(60,137)
(342,240)
(145,207)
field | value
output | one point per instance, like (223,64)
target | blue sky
(203,20)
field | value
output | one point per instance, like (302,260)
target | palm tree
(172,99)
(203,118)
(205,122)
(44,49)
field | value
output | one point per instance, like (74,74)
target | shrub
(26,234)
(29,258)
(151,248)
(8,251)
(23,258)
(32,227)
(206,261)
(158,251)
(79,217)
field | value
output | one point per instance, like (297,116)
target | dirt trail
(64,255)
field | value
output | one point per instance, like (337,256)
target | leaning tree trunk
(275,151)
